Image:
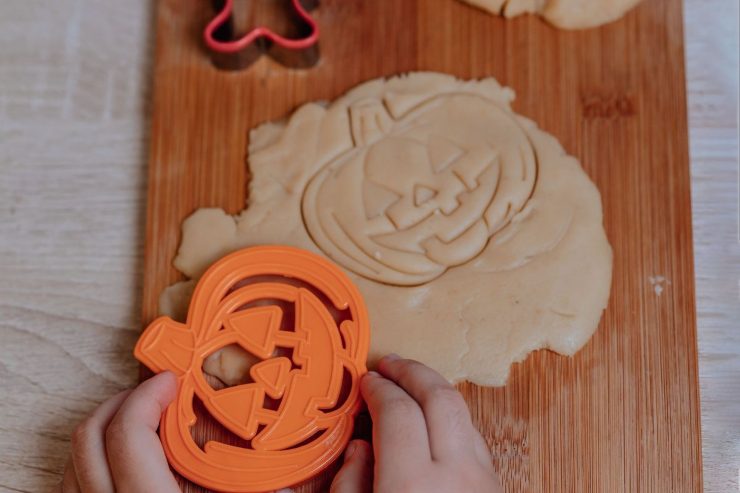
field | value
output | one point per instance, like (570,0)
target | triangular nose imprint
(273,375)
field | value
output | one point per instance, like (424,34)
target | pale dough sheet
(471,234)
(565,14)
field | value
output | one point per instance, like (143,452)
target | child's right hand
(424,439)
(116,449)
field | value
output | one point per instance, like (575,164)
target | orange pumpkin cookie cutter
(231,305)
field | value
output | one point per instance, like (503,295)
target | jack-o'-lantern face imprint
(421,191)
(232,305)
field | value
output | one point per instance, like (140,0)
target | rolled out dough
(471,234)
(565,14)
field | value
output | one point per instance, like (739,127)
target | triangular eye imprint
(238,408)
(256,328)
(423,194)
(377,199)
(201,436)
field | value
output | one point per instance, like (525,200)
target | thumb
(135,455)
(356,475)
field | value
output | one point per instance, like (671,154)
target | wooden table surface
(74,106)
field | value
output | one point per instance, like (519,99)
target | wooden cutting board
(623,414)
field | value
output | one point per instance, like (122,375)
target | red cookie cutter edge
(237,45)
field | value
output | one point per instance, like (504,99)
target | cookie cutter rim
(166,344)
(259,32)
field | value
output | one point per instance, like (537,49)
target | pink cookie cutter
(233,51)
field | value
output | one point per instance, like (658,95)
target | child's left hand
(117,448)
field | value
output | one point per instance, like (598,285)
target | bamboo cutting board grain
(623,414)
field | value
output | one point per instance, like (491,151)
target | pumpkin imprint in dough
(421,191)
(472,236)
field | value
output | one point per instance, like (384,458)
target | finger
(482,452)
(356,475)
(88,447)
(447,416)
(399,431)
(135,453)
(69,480)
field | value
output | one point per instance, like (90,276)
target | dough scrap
(472,235)
(565,14)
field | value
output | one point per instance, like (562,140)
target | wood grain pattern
(74,92)
(622,414)
(713,83)
(74,106)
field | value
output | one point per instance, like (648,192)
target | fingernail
(392,357)
(373,373)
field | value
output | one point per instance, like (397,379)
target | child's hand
(117,448)
(423,437)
